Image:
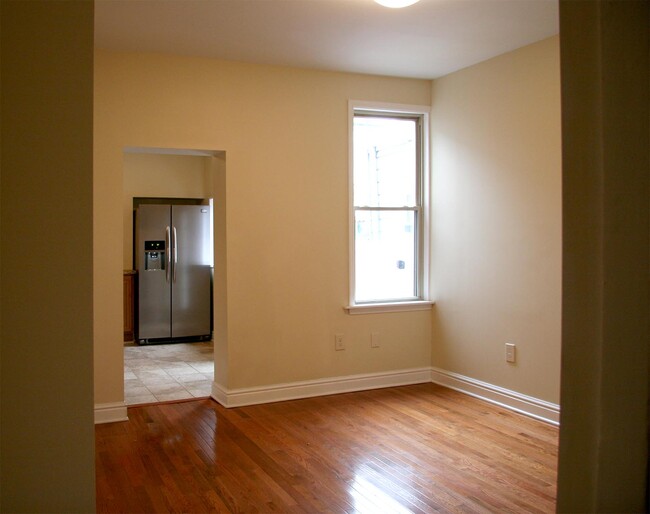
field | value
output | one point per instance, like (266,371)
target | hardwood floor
(421,448)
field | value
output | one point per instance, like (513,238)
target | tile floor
(164,372)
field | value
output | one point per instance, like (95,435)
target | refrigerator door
(154,278)
(191,272)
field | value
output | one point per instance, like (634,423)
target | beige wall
(156,175)
(497,220)
(47,437)
(284,133)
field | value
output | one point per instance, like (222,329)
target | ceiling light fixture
(396,4)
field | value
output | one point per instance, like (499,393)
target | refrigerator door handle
(169,255)
(175,246)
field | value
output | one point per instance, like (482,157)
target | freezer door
(192,256)
(154,281)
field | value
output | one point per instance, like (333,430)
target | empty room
(420,270)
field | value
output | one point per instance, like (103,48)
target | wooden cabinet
(129,304)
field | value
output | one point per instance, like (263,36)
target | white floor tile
(192,377)
(203,367)
(150,373)
(134,392)
(167,372)
(166,397)
(137,400)
(198,392)
(157,381)
(169,388)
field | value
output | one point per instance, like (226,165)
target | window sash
(418,120)
(416,275)
(420,219)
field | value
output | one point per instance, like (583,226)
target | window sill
(378,308)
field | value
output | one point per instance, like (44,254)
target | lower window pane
(384,255)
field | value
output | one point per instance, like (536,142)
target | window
(388,206)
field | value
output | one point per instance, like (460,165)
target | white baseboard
(512,400)
(321,387)
(110,412)
(219,394)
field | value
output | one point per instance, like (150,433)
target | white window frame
(423,302)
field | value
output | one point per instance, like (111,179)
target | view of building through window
(387,207)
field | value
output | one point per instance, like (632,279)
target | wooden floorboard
(421,448)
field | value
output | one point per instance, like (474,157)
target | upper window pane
(385,161)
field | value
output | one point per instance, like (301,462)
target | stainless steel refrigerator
(174,263)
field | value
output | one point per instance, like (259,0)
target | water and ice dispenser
(154,255)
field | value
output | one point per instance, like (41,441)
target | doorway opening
(161,366)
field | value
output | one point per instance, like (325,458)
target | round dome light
(396,4)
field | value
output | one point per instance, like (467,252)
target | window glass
(385,163)
(385,255)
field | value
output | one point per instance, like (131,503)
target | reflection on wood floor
(421,448)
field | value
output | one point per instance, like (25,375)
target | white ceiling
(427,40)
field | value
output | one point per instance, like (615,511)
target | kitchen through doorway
(170,369)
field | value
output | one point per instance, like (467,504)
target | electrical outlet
(339,343)
(374,340)
(511,352)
